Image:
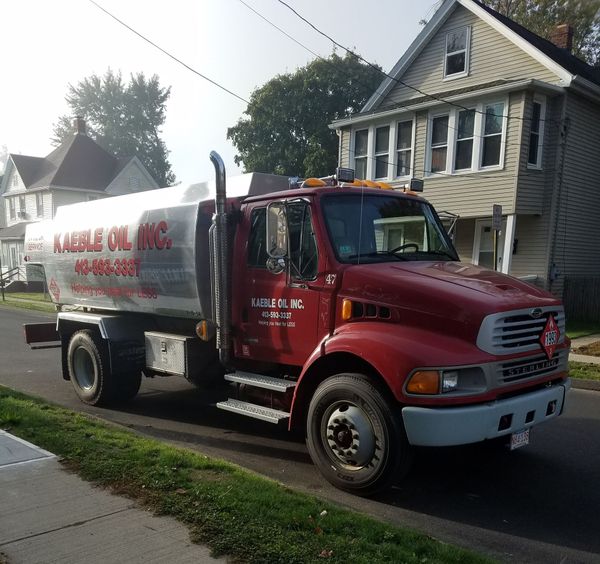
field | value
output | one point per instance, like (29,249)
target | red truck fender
(387,356)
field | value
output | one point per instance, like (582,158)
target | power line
(396,80)
(179,61)
(293,126)
(367,86)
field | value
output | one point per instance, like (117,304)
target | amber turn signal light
(424,382)
(346,309)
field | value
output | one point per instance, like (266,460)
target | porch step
(260,381)
(253,410)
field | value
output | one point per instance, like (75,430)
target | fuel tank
(144,253)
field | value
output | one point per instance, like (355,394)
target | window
(463,157)
(536,133)
(439,143)
(361,139)
(492,134)
(39,204)
(11,208)
(303,246)
(457,53)
(302,243)
(466,139)
(384,228)
(403,148)
(257,244)
(382,154)
(15,180)
(21,206)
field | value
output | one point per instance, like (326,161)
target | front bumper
(450,426)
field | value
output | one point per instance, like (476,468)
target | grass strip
(584,370)
(229,509)
(31,296)
(576,329)
(13,301)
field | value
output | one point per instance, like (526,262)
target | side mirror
(277,230)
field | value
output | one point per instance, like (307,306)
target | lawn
(584,371)
(33,301)
(234,512)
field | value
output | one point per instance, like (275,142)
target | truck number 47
(330,279)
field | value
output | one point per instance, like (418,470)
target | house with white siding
(486,112)
(78,170)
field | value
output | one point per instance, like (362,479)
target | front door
(277,314)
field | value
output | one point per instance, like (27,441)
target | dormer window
(456,62)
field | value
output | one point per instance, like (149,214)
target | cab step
(260,381)
(253,410)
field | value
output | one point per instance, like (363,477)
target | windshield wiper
(377,254)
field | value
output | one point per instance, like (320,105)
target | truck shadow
(547,491)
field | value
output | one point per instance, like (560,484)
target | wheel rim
(84,369)
(349,434)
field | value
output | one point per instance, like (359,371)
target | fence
(581,297)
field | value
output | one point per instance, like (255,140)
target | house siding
(492,56)
(534,188)
(64,198)
(577,231)
(463,241)
(531,236)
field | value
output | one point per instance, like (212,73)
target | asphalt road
(537,504)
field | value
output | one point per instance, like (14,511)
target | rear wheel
(355,436)
(89,370)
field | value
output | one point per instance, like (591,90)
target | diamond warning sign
(549,337)
(54,289)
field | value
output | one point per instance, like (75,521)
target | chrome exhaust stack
(219,255)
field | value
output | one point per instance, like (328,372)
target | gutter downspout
(218,235)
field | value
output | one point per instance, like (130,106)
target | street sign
(497,217)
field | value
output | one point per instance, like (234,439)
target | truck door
(277,305)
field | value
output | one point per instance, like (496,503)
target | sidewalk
(50,515)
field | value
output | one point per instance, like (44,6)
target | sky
(46,46)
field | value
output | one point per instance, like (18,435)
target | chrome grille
(517,331)
(531,367)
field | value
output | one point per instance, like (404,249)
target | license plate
(519,439)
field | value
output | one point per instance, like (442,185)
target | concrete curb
(583,384)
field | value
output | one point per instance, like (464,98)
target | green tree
(542,16)
(3,157)
(286,131)
(124,119)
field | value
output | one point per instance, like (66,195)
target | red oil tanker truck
(326,305)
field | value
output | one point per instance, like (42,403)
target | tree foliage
(286,131)
(542,16)
(3,158)
(124,119)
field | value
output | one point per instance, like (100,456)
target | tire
(88,364)
(355,436)
(127,386)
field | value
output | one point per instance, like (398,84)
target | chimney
(79,125)
(562,36)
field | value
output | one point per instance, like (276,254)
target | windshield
(377,228)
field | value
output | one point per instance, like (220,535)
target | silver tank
(146,252)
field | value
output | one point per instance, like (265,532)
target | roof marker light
(313,183)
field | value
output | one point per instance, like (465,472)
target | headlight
(452,381)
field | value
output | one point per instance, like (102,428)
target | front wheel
(354,435)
